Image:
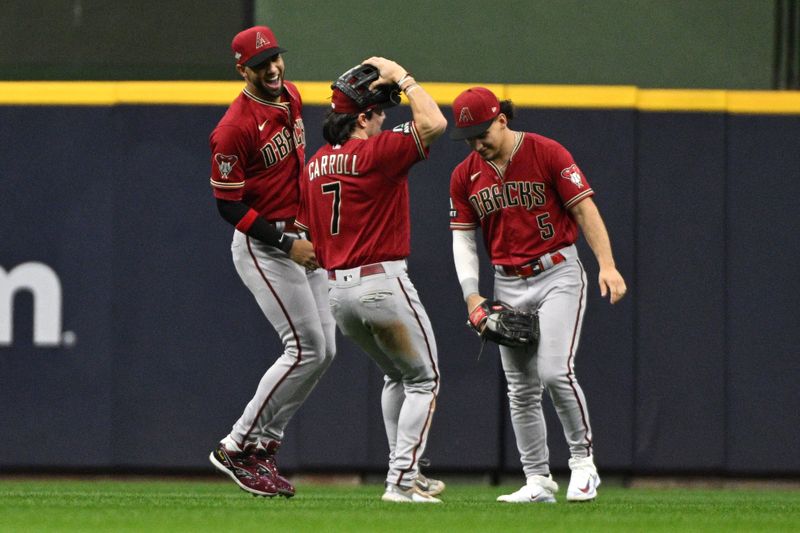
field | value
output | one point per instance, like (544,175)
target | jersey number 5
(545,228)
(334,188)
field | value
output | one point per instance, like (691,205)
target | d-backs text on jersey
(528,194)
(283,142)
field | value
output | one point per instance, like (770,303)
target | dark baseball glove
(498,322)
(355,84)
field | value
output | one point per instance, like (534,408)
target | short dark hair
(507,108)
(338,127)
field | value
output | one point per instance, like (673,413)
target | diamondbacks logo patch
(465,116)
(405,128)
(260,40)
(574,175)
(225,163)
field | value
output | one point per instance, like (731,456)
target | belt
(286,225)
(534,268)
(366,270)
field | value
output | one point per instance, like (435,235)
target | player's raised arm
(428,118)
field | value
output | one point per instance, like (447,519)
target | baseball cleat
(268,467)
(431,486)
(242,468)
(412,495)
(538,489)
(584,480)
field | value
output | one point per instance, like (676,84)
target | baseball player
(257,157)
(529,197)
(356,206)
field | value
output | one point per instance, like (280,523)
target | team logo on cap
(260,40)
(465,115)
(572,174)
(225,163)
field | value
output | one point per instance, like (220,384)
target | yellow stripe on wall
(105,93)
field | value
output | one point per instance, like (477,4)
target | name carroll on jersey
(342,164)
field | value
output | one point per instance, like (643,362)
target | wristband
(410,88)
(247,220)
(406,76)
(285,243)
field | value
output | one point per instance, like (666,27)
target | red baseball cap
(474,111)
(254,46)
(341,103)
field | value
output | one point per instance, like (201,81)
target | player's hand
(611,282)
(390,72)
(302,253)
(473,301)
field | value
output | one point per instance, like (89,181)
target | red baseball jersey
(523,213)
(355,198)
(258,152)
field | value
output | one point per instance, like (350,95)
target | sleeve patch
(453,210)
(225,163)
(573,174)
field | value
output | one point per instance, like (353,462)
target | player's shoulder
(391,137)
(293,91)
(541,142)
(291,87)
(469,165)
(238,113)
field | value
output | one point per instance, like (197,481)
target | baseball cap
(341,103)
(474,111)
(255,45)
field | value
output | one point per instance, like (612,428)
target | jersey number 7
(335,188)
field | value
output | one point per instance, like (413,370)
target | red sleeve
(228,160)
(397,150)
(567,178)
(462,216)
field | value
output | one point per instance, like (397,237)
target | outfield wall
(648,43)
(107,215)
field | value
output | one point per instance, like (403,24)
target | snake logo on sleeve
(225,164)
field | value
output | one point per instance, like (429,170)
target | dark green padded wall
(99,40)
(649,43)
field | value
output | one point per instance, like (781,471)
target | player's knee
(553,378)
(421,383)
(312,348)
(525,397)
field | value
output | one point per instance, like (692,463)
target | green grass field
(136,505)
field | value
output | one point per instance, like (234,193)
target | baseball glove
(498,322)
(355,84)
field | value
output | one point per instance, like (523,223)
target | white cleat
(584,480)
(413,495)
(538,489)
(431,486)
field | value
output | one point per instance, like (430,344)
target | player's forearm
(248,222)
(594,231)
(428,118)
(465,258)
